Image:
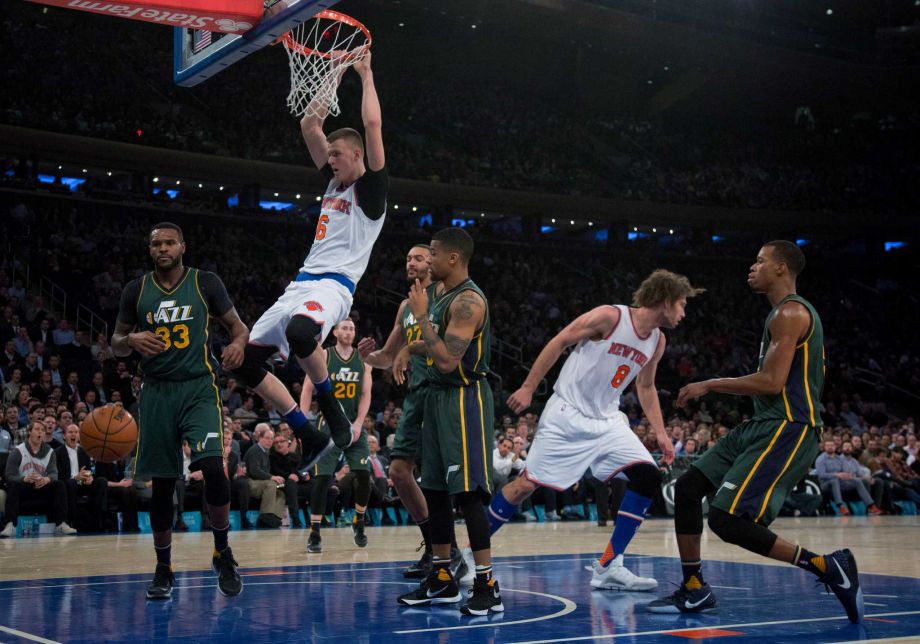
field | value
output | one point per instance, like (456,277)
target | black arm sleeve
(326,171)
(372,190)
(214,293)
(127,310)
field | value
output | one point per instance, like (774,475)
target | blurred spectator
(75,469)
(836,476)
(32,480)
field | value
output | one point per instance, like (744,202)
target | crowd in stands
(472,133)
(52,374)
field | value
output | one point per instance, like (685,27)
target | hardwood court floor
(884,545)
(90,589)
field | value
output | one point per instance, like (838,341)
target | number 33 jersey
(180,316)
(597,372)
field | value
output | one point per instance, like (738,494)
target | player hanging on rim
(407,446)
(453,315)
(351,385)
(582,426)
(170,309)
(752,470)
(320,297)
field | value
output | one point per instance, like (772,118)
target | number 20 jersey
(597,372)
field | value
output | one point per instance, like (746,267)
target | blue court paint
(547,598)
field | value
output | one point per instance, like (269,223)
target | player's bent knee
(741,532)
(253,370)
(477,524)
(302,334)
(644,479)
(689,491)
(216,484)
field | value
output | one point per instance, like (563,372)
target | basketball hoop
(319,52)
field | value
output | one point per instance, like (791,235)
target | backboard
(198,55)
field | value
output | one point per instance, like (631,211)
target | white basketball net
(319,52)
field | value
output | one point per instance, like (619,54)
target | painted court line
(567,607)
(613,636)
(888,596)
(729,587)
(906,638)
(874,604)
(26,636)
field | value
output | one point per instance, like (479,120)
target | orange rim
(303,50)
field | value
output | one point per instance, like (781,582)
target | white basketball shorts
(567,443)
(326,302)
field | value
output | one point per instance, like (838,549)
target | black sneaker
(314,449)
(843,579)
(334,415)
(421,568)
(700,600)
(162,584)
(486,598)
(314,542)
(438,588)
(357,527)
(229,582)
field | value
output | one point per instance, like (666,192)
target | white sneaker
(470,576)
(616,577)
(552,516)
(8,532)
(62,529)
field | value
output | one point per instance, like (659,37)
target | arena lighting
(109,173)
(156,179)
(402,24)
(221,188)
(635,229)
(552,221)
(276,194)
(571,222)
(830,12)
(318,198)
(297,195)
(84,170)
(482,214)
(395,206)
(590,223)
(178,183)
(414,208)
(60,167)
(200,186)
(671,231)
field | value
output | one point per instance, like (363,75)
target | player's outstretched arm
(370,114)
(383,357)
(593,325)
(647,393)
(467,312)
(789,324)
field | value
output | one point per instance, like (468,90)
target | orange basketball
(109,433)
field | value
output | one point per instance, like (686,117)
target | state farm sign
(227,16)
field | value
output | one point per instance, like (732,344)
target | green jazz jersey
(180,316)
(474,364)
(417,364)
(800,399)
(347,378)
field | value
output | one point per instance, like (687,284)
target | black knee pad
(216,483)
(161,504)
(741,532)
(440,516)
(252,372)
(362,487)
(644,479)
(477,524)
(689,491)
(303,335)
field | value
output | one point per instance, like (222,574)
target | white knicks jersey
(345,236)
(597,372)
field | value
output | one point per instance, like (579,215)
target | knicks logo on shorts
(313,306)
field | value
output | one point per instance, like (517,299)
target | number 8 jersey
(180,316)
(597,372)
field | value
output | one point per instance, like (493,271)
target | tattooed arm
(467,313)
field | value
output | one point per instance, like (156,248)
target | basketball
(108,434)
